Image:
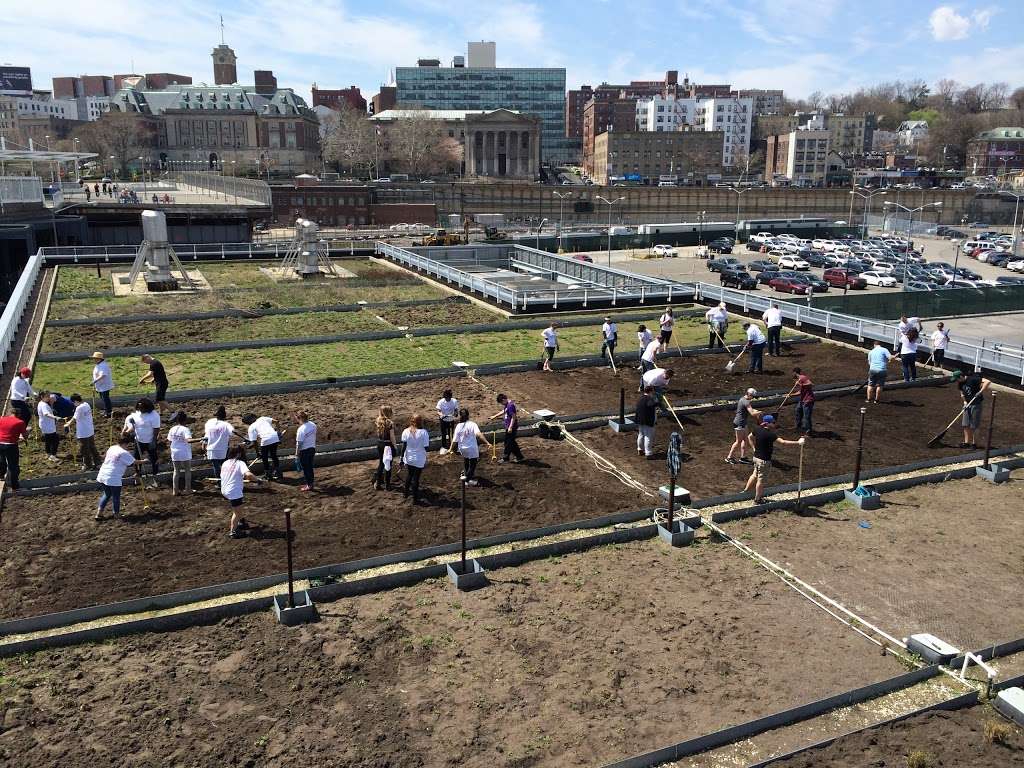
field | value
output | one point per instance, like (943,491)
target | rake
(938,438)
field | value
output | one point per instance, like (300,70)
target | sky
(798,45)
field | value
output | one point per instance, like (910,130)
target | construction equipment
(307,255)
(441,237)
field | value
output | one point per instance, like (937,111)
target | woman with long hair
(384,428)
(466,437)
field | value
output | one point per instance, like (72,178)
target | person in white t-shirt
(667,321)
(773,322)
(233,474)
(217,434)
(644,337)
(756,341)
(305,448)
(48,425)
(85,433)
(263,432)
(111,475)
(940,342)
(180,438)
(467,436)
(416,440)
(103,382)
(144,425)
(718,325)
(447,414)
(609,338)
(21,394)
(550,336)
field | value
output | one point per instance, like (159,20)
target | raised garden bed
(578,660)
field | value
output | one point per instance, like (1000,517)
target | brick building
(333,205)
(337,99)
(83,85)
(689,155)
(604,113)
(151,81)
(575,101)
(800,156)
(996,152)
(384,100)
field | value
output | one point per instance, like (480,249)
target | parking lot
(688,266)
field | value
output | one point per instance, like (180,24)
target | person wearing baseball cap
(103,381)
(21,391)
(762,439)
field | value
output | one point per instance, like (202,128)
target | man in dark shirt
(157,375)
(972,393)
(646,416)
(804,402)
(762,439)
(511,416)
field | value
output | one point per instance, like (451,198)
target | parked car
(717,265)
(917,285)
(663,250)
(792,262)
(999,259)
(814,258)
(789,285)
(873,277)
(1009,280)
(1016,265)
(766,275)
(759,265)
(754,245)
(817,284)
(582,257)
(844,278)
(720,245)
(738,278)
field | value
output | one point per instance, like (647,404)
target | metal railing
(90,254)
(21,189)
(14,312)
(451,274)
(235,187)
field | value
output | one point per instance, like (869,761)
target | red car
(844,278)
(788,285)
(582,257)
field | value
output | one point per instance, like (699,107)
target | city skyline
(788,44)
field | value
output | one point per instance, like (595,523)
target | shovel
(732,363)
(719,337)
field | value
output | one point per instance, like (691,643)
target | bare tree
(116,135)
(816,100)
(1017,99)
(350,141)
(418,145)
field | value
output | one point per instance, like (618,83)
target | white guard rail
(14,312)
(471,282)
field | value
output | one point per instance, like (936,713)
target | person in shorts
(878,366)
(972,392)
(550,336)
(233,474)
(741,428)
(762,439)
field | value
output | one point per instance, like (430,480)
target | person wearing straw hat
(103,381)
(741,428)
(718,324)
(21,393)
(762,439)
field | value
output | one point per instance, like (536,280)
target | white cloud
(947,23)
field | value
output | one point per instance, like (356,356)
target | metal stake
(991,424)
(860,450)
(622,405)
(463,527)
(671,499)
(288,538)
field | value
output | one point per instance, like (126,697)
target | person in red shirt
(12,428)
(804,402)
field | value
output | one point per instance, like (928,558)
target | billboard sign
(1002,153)
(15,81)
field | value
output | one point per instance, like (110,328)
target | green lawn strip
(277,364)
(85,280)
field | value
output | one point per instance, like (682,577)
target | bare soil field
(348,414)
(55,556)
(569,661)
(946,559)
(940,739)
(897,432)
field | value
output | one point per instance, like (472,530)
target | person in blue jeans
(756,342)
(804,402)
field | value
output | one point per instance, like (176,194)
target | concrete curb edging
(790,716)
(325,593)
(174,599)
(957,702)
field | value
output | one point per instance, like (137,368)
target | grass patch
(274,364)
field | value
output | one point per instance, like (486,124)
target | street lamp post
(867,207)
(561,200)
(739,195)
(142,163)
(956,261)
(700,228)
(610,204)
(910,227)
(78,177)
(1016,229)
(536,243)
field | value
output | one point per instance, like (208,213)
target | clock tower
(224,70)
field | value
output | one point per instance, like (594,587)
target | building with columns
(503,144)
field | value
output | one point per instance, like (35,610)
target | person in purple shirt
(508,412)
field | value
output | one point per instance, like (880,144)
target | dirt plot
(948,739)
(52,542)
(204,331)
(569,661)
(897,432)
(946,559)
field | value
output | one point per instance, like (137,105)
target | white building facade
(732,115)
